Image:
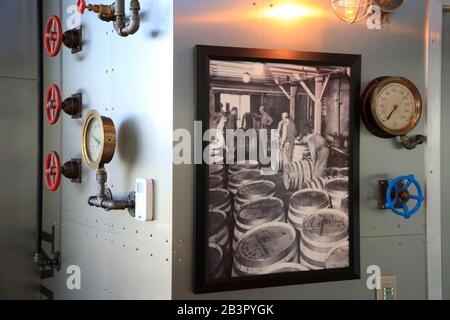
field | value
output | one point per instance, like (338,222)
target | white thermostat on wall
(144,200)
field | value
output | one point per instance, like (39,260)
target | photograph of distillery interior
(224,150)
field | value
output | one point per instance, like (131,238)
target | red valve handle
(53,104)
(52,171)
(53,36)
(81,5)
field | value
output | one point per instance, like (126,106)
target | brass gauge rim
(418,105)
(384,8)
(108,139)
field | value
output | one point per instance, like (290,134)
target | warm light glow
(289,11)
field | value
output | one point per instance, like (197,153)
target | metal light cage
(351,11)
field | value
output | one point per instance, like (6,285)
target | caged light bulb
(351,11)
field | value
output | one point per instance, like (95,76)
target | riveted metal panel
(130,81)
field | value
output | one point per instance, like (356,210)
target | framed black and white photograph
(277,192)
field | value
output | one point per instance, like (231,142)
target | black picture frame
(204,54)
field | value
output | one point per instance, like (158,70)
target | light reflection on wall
(282,10)
(290,10)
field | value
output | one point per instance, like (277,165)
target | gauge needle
(97,140)
(392,112)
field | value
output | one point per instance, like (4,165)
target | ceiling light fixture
(351,11)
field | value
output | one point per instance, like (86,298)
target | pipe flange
(132,197)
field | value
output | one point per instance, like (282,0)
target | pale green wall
(396,245)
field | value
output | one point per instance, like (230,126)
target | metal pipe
(122,28)
(110,204)
(103,198)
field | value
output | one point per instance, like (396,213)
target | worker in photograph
(232,119)
(247,121)
(266,122)
(320,152)
(288,132)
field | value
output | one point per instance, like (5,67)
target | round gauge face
(99,140)
(94,139)
(396,106)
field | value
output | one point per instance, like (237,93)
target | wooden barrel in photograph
(216,170)
(345,206)
(237,180)
(216,259)
(216,182)
(264,246)
(343,173)
(276,161)
(320,233)
(317,184)
(253,191)
(242,166)
(297,173)
(219,199)
(338,257)
(306,202)
(219,228)
(255,213)
(301,152)
(285,267)
(338,190)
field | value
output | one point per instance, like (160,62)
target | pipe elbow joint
(125,29)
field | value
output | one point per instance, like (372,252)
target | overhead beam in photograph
(283,89)
(320,87)
(290,96)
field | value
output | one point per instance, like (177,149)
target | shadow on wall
(158,18)
(128,141)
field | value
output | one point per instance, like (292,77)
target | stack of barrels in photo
(296,173)
(321,233)
(306,202)
(253,191)
(263,247)
(216,176)
(220,224)
(338,190)
(241,178)
(255,213)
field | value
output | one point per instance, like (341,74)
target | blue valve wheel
(394,187)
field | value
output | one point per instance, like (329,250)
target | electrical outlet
(388,288)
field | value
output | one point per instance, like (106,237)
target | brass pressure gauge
(98,142)
(391,107)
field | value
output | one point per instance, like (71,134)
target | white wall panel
(129,80)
